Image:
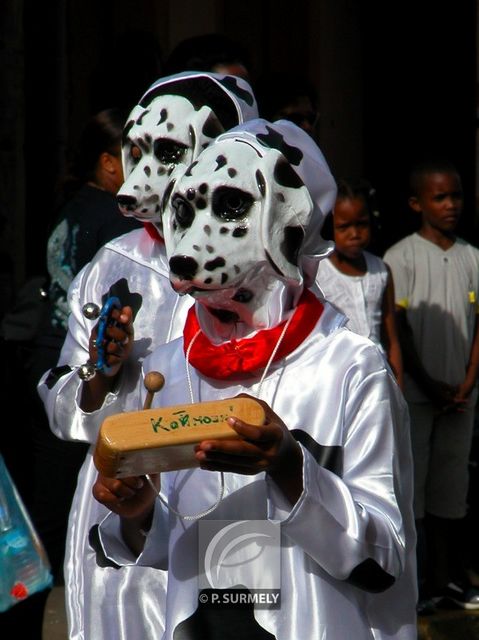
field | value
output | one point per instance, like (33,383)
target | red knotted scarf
(153,231)
(238,357)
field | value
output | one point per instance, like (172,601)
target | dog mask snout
(184,267)
(126,201)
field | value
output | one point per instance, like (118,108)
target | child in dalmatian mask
(174,121)
(331,466)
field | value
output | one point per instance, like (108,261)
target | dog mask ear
(301,192)
(287,211)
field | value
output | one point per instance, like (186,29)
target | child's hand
(270,448)
(461,396)
(440,394)
(128,497)
(119,336)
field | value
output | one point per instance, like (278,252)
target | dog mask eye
(168,151)
(184,213)
(135,153)
(230,204)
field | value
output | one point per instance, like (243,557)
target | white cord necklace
(202,514)
(273,353)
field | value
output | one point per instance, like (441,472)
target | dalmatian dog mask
(174,121)
(242,227)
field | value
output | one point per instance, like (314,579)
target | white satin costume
(348,543)
(176,118)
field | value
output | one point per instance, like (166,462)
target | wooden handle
(154,381)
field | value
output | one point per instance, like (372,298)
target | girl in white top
(357,282)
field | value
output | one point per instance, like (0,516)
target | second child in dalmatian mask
(176,118)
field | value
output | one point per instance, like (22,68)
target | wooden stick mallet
(154,381)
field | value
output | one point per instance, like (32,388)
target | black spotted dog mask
(242,227)
(174,121)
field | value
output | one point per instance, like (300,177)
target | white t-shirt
(439,290)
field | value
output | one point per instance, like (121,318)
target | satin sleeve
(133,266)
(155,551)
(352,524)
(60,387)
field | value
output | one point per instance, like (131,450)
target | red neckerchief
(153,232)
(238,357)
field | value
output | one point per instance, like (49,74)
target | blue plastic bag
(24,566)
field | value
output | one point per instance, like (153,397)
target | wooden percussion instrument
(163,439)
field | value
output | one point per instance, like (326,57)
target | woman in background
(88,215)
